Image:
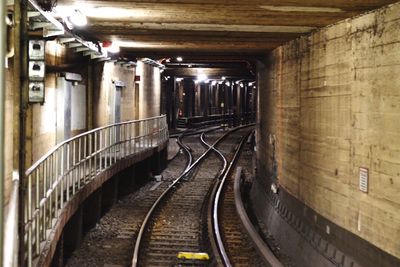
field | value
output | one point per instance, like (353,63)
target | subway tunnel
(200,133)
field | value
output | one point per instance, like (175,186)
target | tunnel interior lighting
(179,79)
(237,82)
(113,48)
(202,77)
(77,18)
(241,85)
(213,82)
(179,59)
(251,83)
(223,78)
(207,81)
(228,84)
(221,82)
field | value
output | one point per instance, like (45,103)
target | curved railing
(60,174)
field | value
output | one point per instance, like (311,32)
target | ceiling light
(223,78)
(179,79)
(113,48)
(302,9)
(202,77)
(213,82)
(207,81)
(228,84)
(78,18)
(179,59)
(241,85)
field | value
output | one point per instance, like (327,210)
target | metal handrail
(63,171)
(80,135)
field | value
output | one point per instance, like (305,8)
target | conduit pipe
(3,45)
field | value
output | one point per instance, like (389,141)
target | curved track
(174,223)
(231,244)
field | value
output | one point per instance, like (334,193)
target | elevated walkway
(57,184)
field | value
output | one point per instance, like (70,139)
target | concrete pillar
(127,181)
(149,90)
(109,194)
(91,210)
(72,234)
(58,258)
(158,162)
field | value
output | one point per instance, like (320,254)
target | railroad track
(231,245)
(174,223)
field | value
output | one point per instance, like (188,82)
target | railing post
(49,181)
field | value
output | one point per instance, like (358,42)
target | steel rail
(216,239)
(144,226)
(261,247)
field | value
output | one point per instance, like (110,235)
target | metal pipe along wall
(3,44)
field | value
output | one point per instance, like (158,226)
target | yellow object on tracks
(193,255)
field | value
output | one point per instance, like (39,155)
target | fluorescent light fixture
(223,78)
(102,12)
(304,9)
(113,48)
(134,44)
(179,59)
(179,79)
(202,77)
(77,18)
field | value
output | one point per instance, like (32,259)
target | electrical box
(36,92)
(119,84)
(36,49)
(36,70)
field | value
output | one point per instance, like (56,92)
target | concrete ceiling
(226,35)
(211,26)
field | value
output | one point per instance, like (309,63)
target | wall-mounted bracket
(39,19)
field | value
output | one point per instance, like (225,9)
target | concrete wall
(103,87)
(149,90)
(329,104)
(42,118)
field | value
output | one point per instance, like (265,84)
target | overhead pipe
(3,45)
